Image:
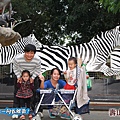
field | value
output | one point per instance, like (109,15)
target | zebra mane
(95,53)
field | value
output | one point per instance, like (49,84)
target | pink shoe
(30,117)
(22,117)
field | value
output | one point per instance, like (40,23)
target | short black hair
(25,71)
(74,59)
(30,47)
(55,69)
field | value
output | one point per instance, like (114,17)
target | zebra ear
(37,44)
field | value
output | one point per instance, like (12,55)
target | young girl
(71,74)
(24,93)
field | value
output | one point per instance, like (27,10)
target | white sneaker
(14,116)
(41,114)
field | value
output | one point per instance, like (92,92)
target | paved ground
(94,115)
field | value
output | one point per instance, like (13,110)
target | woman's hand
(41,77)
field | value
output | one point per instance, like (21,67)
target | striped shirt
(20,64)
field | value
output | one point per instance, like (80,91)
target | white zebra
(95,52)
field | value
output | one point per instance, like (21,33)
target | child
(24,93)
(71,74)
(71,79)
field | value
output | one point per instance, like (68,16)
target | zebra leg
(108,71)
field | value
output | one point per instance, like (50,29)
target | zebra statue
(95,53)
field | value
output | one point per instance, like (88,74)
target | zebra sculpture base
(8,36)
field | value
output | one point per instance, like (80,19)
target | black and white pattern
(115,59)
(95,53)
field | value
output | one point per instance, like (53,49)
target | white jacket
(82,94)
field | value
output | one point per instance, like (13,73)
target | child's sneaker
(50,114)
(14,116)
(41,114)
(65,115)
(22,117)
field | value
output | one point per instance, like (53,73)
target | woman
(54,82)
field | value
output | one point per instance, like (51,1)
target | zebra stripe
(115,59)
(95,53)
(53,56)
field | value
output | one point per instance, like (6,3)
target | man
(27,61)
(30,61)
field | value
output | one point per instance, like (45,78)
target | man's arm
(37,69)
(16,68)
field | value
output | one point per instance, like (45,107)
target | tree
(111,5)
(52,20)
(46,19)
(89,19)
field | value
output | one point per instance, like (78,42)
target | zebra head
(7,53)
(31,39)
